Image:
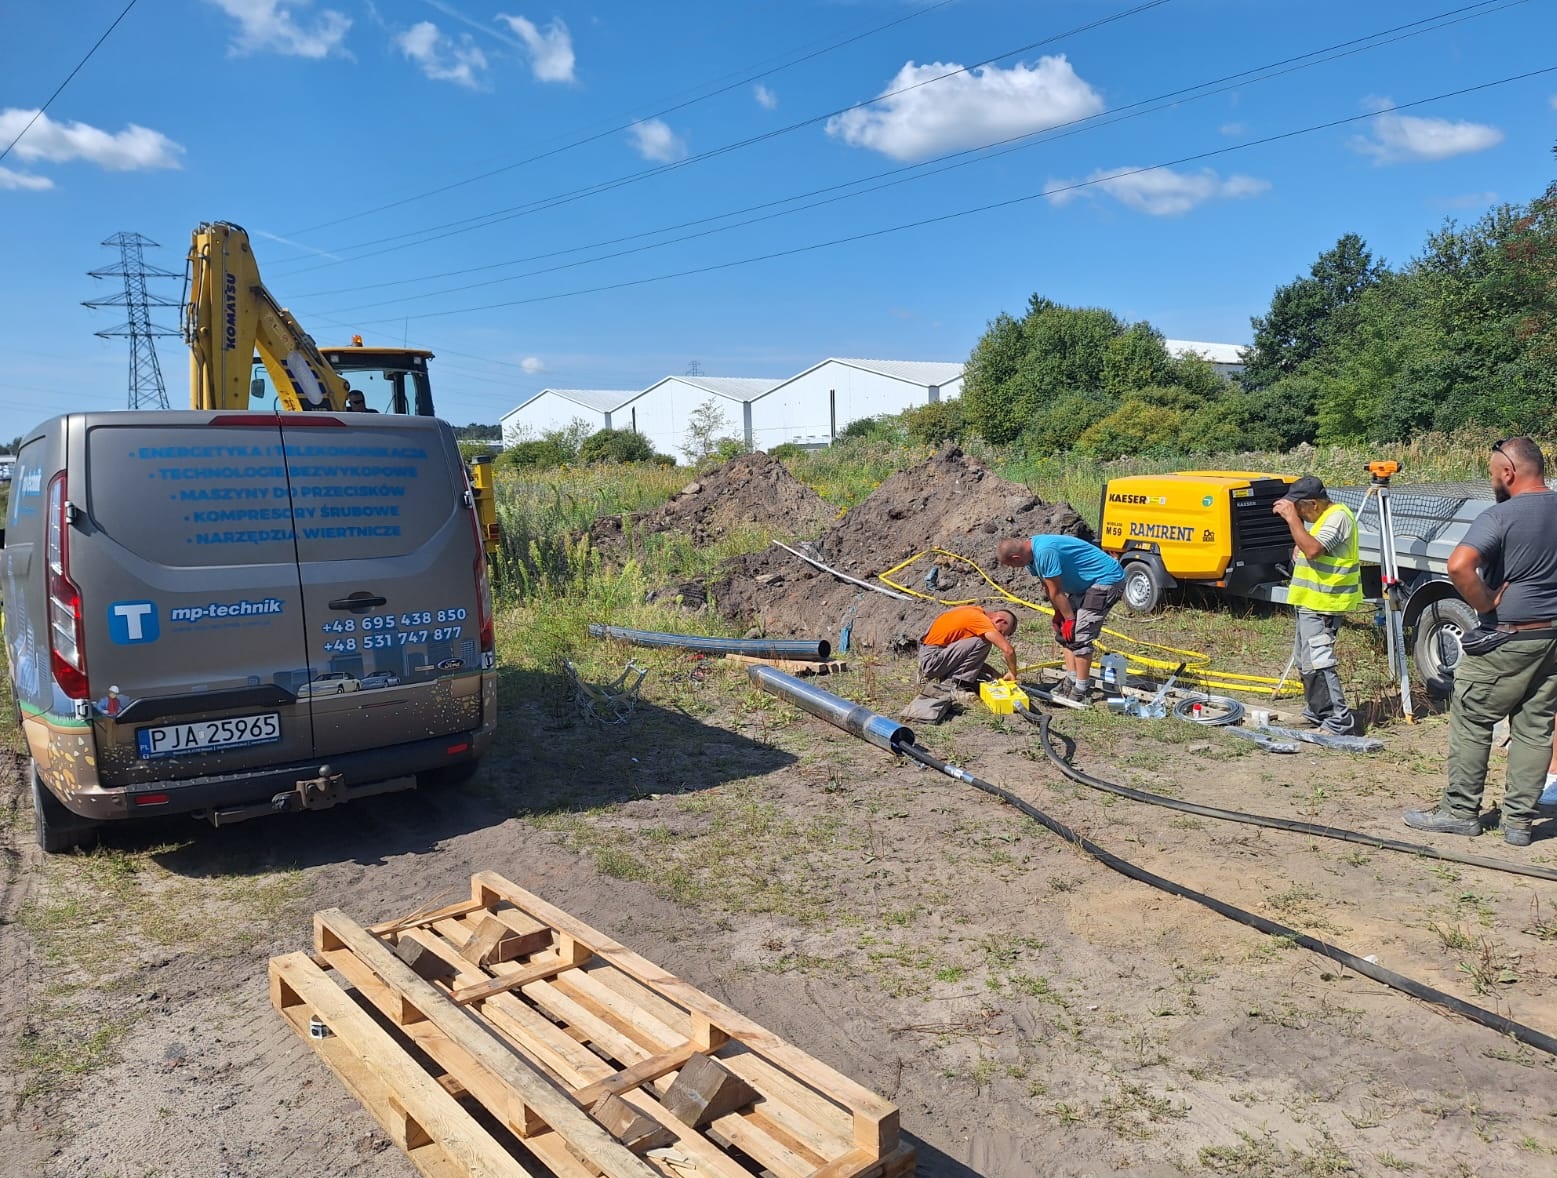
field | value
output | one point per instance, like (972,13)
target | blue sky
(441,173)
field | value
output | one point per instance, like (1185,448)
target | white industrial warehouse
(810,408)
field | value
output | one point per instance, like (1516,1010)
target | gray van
(236,614)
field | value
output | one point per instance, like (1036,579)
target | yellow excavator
(238,334)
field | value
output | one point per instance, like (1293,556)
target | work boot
(1442,822)
(1516,834)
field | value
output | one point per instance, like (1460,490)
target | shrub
(615,445)
(538,454)
(787,451)
(937,423)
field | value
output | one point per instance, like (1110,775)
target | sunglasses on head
(1497,446)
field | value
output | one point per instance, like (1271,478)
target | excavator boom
(231,318)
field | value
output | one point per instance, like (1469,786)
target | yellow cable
(1190,665)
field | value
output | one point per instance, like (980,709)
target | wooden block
(425,963)
(406,1132)
(703,1091)
(629,1126)
(484,942)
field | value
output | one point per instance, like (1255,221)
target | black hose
(1328,832)
(1487,1018)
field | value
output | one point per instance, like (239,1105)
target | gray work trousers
(1517,680)
(1324,703)
(961,662)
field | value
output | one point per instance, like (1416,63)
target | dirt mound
(752,491)
(948,501)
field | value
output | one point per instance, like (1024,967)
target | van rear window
(248,495)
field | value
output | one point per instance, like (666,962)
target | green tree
(996,360)
(1307,313)
(616,445)
(706,425)
(535,454)
(938,422)
(1136,427)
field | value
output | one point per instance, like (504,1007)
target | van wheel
(1435,645)
(58,828)
(1143,588)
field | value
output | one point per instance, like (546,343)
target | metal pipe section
(853,718)
(804,649)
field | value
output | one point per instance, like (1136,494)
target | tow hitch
(310,793)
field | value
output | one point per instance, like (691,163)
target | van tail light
(67,643)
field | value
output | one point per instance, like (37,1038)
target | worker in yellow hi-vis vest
(1326,583)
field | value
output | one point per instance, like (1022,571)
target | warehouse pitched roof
(921,372)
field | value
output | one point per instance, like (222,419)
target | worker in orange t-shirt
(958,642)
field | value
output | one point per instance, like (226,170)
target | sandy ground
(1030,1011)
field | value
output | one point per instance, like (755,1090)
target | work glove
(1064,630)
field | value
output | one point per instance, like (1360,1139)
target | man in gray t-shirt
(1506,570)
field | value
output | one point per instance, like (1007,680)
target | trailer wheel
(1143,587)
(1435,646)
(58,829)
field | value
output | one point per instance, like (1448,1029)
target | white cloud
(551,48)
(765,97)
(1469,200)
(532,365)
(1553,101)
(1231,129)
(984,105)
(442,58)
(130,150)
(270,25)
(23,180)
(654,140)
(1159,192)
(1398,138)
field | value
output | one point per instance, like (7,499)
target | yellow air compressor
(1202,527)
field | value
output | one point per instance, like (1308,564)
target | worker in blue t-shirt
(1083,583)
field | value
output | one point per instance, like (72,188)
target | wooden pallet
(793,666)
(499,1036)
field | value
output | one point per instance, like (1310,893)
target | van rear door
(182,546)
(388,558)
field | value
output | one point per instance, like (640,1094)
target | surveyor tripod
(1392,592)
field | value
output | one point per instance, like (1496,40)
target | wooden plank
(553,1105)
(461,1068)
(639,1074)
(428,916)
(793,666)
(786,1158)
(624,1014)
(513,978)
(874,1119)
(543,1040)
(824,1126)
(608,1040)
(383,1077)
(667,1012)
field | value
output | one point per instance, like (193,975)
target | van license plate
(201,736)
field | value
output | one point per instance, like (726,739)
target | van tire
(58,828)
(1435,643)
(1143,587)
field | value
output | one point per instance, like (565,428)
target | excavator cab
(392,380)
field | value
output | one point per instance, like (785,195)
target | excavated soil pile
(948,501)
(752,491)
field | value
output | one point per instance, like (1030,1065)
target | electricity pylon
(146,388)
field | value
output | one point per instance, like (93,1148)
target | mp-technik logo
(130,622)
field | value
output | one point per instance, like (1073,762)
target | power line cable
(67,81)
(485,220)
(951,161)
(985,208)
(871,32)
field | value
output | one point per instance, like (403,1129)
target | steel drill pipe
(805,650)
(824,705)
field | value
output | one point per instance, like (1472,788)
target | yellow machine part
(1186,518)
(1001,697)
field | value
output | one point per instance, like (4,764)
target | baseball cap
(1307,487)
